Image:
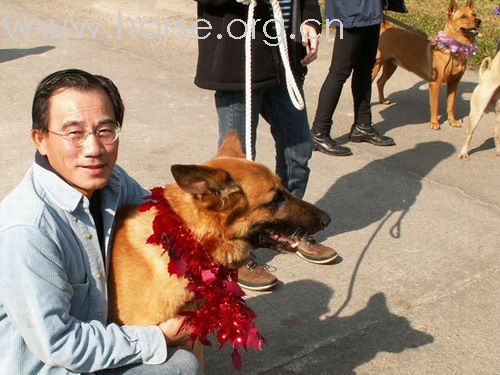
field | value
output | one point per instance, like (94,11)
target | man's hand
(310,40)
(170,329)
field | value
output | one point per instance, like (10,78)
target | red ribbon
(223,311)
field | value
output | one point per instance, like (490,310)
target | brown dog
(439,61)
(486,92)
(230,204)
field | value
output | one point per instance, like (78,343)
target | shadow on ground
(366,196)
(300,341)
(410,107)
(16,53)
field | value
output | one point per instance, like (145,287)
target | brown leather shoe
(311,251)
(253,276)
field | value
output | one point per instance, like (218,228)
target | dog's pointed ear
(231,146)
(211,186)
(469,4)
(485,65)
(452,7)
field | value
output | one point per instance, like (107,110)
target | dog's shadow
(300,341)
(488,144)
(411,107)
(16,53)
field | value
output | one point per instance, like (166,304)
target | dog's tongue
(278,237)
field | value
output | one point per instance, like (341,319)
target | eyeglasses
(106,133)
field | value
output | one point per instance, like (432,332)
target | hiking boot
(313,252)
(367,133)
(326,145)
(253,276)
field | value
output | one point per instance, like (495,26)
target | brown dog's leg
(388,69)
(434,104)
(377,66)
(451,93)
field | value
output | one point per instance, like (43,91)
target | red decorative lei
(223,311)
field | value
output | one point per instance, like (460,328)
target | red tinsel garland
(223,312)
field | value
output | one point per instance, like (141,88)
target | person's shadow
(16,53)
(363,197)
(375,193)
(299,341)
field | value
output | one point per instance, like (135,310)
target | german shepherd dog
(231,204)
(487,92)
(439,61)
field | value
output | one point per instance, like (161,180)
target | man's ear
(39,139)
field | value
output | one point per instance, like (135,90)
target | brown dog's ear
(470,4)
(452,7)
(212,186)
(231,146)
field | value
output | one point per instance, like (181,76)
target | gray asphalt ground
(417,290)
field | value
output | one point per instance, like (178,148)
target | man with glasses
(55,231)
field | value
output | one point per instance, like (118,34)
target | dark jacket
(354,13)
(221,62)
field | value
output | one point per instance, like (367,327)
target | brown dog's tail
(384,26)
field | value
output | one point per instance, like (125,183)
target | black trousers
(354,53)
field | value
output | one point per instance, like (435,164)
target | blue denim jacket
(53,296)
(354,13)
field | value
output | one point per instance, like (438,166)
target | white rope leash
(291,85)
(248,81)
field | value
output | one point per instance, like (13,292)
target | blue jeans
(289,128)
(179,362)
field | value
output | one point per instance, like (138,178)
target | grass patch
(430,17)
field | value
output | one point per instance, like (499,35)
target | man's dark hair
(76,79)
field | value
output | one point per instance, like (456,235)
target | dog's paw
(455,123)
(464,155)
(435,125)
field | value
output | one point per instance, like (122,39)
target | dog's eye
(277,200)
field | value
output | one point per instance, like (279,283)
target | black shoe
(367,133)
(328,146)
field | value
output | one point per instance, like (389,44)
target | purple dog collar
(443,41)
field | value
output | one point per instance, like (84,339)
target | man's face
(87,168)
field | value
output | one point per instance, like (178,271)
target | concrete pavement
(417,289)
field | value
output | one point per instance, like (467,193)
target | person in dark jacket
(357,25)
(221,67)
